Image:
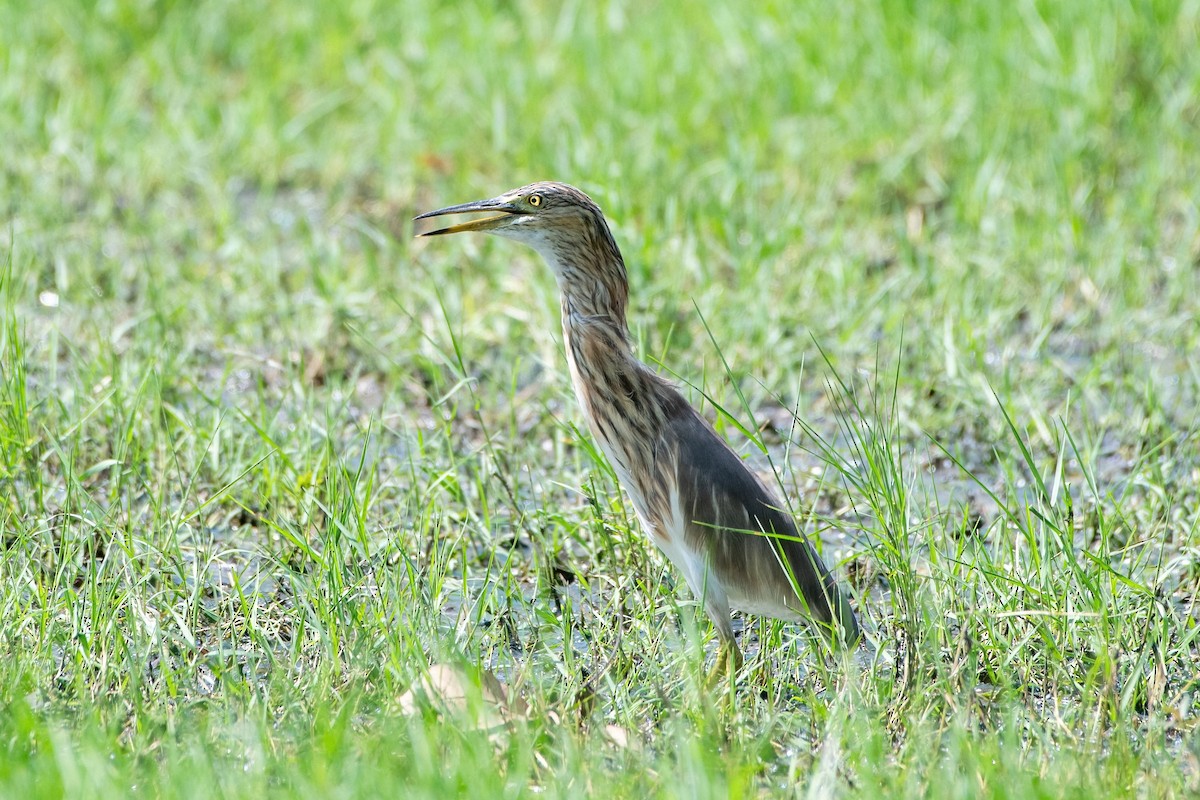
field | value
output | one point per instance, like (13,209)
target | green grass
(264,458)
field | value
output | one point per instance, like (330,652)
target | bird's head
(550,217)
(565,227)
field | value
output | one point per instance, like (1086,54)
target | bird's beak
(506,209)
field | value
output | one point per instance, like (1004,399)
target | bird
(698,502)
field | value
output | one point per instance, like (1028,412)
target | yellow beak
(506,209)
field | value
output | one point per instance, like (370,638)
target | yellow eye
(535,200)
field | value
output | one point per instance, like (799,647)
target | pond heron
(717,523)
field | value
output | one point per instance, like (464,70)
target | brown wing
(726,502)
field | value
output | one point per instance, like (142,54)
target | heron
(698,502)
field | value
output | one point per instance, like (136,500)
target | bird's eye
(535,200)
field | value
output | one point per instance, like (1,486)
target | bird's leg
(729,661)
(729,657)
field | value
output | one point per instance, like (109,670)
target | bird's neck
(622,401)
(605,372)
(610,383)
(613,387)
(595,331)
(592,285)
(589,269)
(594,293)
(584,309)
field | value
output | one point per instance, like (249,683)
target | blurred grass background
(235,390)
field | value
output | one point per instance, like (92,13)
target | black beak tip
(428,215)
